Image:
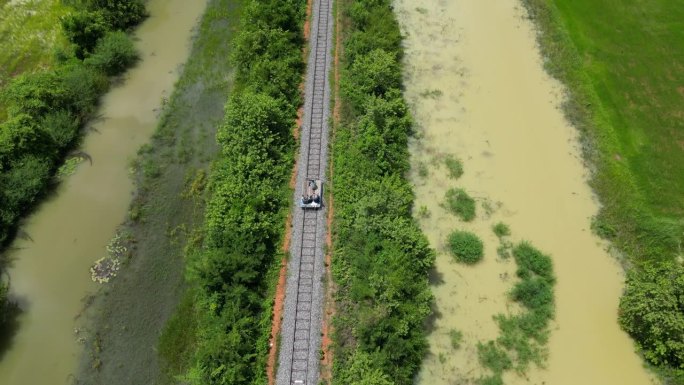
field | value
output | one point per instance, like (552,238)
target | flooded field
(476,84)
(50,274)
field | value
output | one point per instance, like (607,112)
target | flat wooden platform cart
(313,194)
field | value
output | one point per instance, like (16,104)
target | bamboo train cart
(313,194)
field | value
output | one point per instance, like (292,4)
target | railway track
(300,336)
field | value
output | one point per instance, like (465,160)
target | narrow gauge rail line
(300,338)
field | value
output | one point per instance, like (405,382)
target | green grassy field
(622,62)
(634,54)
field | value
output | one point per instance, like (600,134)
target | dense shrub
(466,247)
(459,203)
(36,94)
(381,258)
(21,184)
(113,54)
(652,311)
(84,29)
(120,14)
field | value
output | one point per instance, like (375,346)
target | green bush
(532,262)
(84,86)
(501,230)
(466,247)
(114,54)
(459,203)
(84,29)
(61,126)
(35,94)
(120,14)
(20,187)
(533,293)
(651,311)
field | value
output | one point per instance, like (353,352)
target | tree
(120,14)
(362,372)
(372,74)
(114,54)
(652,311)
(84,28)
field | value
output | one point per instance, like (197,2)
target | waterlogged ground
(478,90)
(50,276)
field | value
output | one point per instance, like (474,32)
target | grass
(465,247)
(163,218)
(29,33)
(459,203)
(454,166)
(623,69)
(456,338)
(641,93)
(501,230)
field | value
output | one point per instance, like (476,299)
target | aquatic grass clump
(523,337)
(494,358)
(455,337)
(501,230)
(454,166)
(459,203)
(505,246)
(532,262)
(466,247)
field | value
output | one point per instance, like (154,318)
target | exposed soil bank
(478,90)
(50,274)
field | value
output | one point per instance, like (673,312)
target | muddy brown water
(50,276)
(476,84)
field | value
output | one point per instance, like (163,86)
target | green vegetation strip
(381,258)
(231,266)
(523,336)
(46,109)
(623,68)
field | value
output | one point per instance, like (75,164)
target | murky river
(50,276)
(478,90)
